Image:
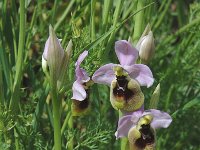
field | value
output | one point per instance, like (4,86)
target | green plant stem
(180,31)
(54,11)
(115,20)
(169,97)
(162,15)
(124,141)
(28,39)
(71,141)
(1,89)
(106,8)
(16,140)
(19,63)
(65,122)
(139,19)
(56,118)
(61,19)
(92,20)
(5,64)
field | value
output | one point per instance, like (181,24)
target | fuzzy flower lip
(125,123)
(82,77)
(127,56)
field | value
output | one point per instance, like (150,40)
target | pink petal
(79,92)
(125,123)
(160,119)
(126,54)
(81,74)
(141,73)
(104,75)
(46,49)
(81,58)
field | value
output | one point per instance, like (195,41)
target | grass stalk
(65,122)
(139,19)
(71,141)
(5,63)
(54,11)
(115,20)
(28,39)
(62,18)
(162,15)
(92,20)
(1,88)
(16,140)
(19,63)
(106,8)
(180,31)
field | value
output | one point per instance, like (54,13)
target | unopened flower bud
(53,54)
(80,108)
(155,97)
(68,49)
(146,45)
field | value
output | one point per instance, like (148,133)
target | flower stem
(124,141)
(56,119)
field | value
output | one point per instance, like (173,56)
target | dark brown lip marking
(83,104)
(121,89)
(147,137)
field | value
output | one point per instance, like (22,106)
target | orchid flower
(140,125)
(80,87)
(127,56)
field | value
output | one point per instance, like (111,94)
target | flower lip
(147,137)
(126,94)
(80,108)
(121,89)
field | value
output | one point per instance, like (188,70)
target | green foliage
(94,26)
